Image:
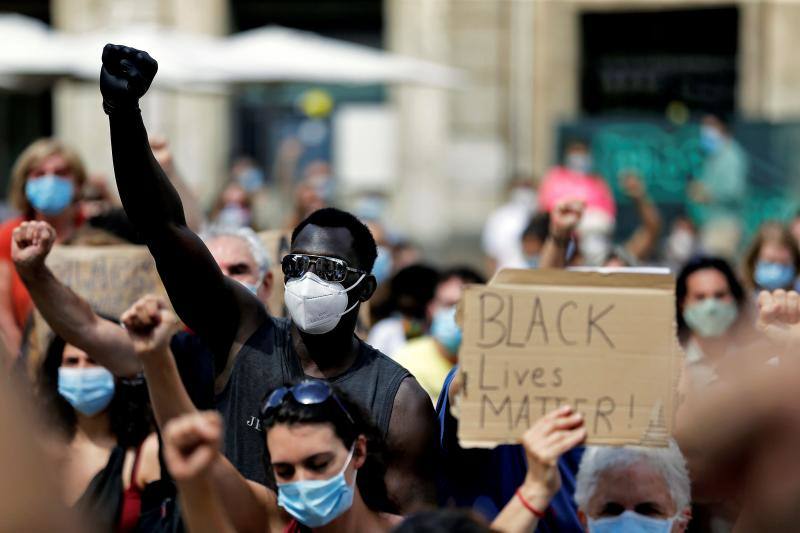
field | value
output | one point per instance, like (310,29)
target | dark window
(642,61)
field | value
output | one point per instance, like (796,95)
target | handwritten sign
(538,339)
(110,278)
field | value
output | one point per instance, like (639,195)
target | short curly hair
(363,242)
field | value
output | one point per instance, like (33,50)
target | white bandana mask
(316,305)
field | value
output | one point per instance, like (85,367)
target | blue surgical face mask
(316,502)
(88,390)
(579,162)
(382,269)
(532,261)
(711,317)
(710,139)
(445,330)
(631,522)
(234,216)
(772,276)
(250,287)
(49,194)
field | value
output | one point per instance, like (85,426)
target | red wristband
(537,513)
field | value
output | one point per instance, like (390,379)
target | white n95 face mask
(316,305)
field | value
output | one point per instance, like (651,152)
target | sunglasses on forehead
(307,392)
(327,268)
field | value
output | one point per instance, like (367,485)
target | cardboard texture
(604,343)
(110,278)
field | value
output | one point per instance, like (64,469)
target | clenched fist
(564,218)
(125,76)
(192,443)
(150,324)
(779,317)
(30,244)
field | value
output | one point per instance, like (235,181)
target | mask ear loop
(348,289)
(347,463)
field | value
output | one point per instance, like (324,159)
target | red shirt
(21,305)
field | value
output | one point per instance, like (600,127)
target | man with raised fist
(327,276)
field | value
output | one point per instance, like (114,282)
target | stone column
(197,125)
(420,204)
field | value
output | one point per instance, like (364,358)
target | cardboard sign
(537,339)
(110,278)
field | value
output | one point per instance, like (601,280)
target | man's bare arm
(411,449)
(214,307)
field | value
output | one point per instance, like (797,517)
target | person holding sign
(327,278)
(487,480)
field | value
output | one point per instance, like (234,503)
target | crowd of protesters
(210,411)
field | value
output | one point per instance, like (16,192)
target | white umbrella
(183,58)
(199,62)
(29,47)
(274,53)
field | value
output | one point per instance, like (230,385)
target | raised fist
(192,443)
(125,77)
(565,217)
(633,186)
(779,316)
(30,244)
(150,324)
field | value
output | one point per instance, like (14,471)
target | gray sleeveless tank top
(267,361)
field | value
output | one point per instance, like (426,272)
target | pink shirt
(562,183)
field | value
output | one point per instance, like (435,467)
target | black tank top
(101,502)
(267,361)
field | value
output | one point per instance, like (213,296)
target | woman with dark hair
(711,313)
(325,456)
(110,451)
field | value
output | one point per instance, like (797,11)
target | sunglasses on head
(307,392)
(327,268)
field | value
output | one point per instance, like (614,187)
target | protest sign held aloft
(602,342)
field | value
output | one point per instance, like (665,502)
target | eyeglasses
(307,392)
(327,268)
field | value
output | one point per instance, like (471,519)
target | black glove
(125,77)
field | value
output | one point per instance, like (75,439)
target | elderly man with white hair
(633,489)
(242,256)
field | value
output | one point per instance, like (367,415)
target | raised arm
(545,441)
(210,304)
(151,325)
(645,238)
(564,218)
(191,447)
(69,315)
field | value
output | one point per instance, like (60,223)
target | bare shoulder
(411,400)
